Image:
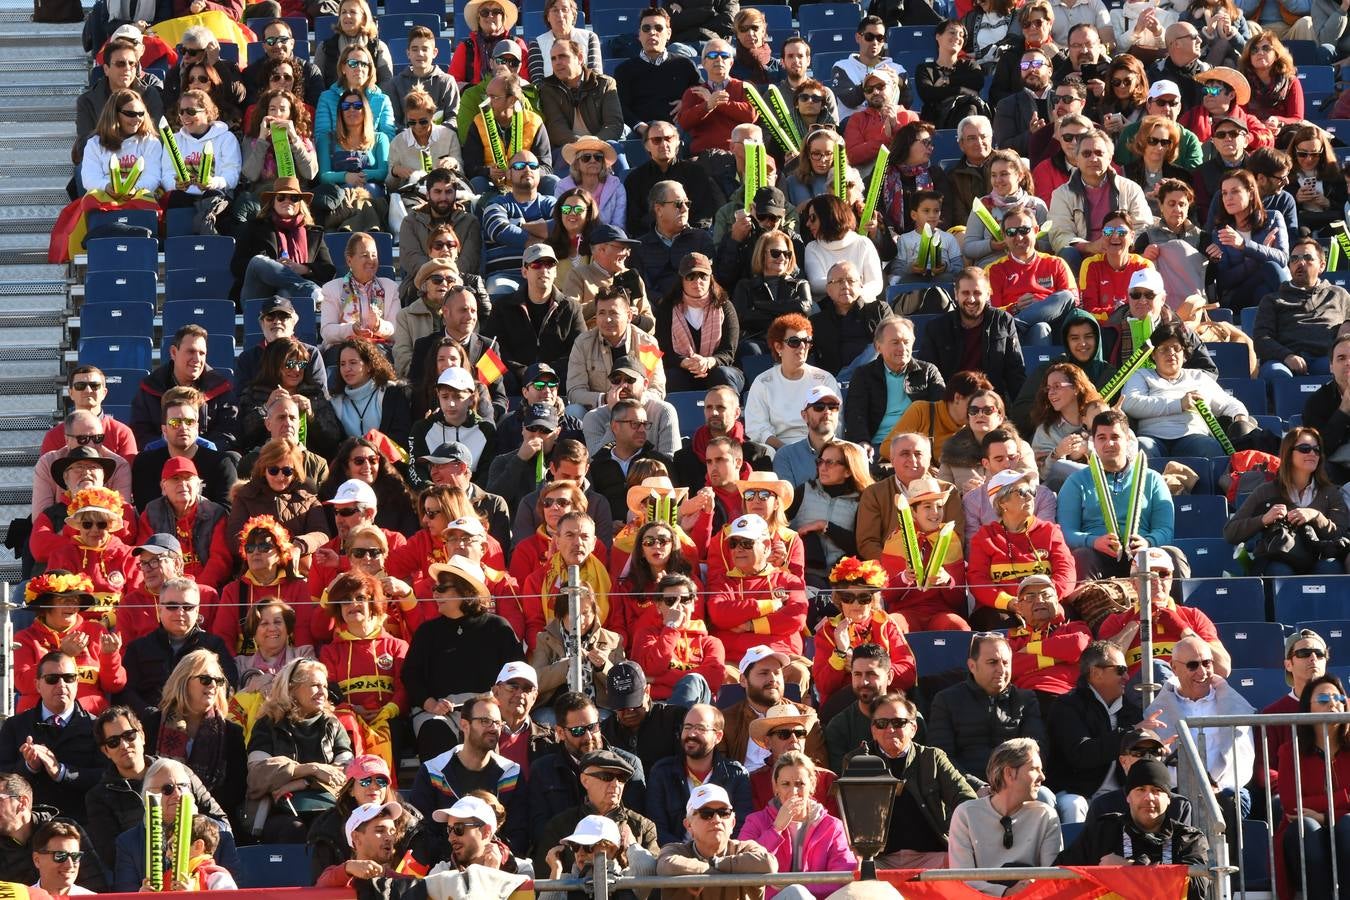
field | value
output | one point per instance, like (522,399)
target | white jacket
(227,159)
(94,168)
(1228,752)
(774,405)
(1156,402)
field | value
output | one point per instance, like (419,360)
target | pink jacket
(825,850)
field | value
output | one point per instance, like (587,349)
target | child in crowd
(925,209)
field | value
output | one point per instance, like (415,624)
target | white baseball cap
(1149,279)
(457,378)
(749,526)
(468,808)
(354,490)
(468,525)
(593,829)
(1160,558)
(821,392)
(704,794)
(367,811)
(1163,88)
(758,652)
(518,670)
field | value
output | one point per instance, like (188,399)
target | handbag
(1296,546)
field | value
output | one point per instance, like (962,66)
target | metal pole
(573,590)
(1148,688)
(7,687)
(600,876)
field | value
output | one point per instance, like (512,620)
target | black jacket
(942,344)
(609,480)
(832,348)
(701,188)
(865,405)
(522,344)
(74,747)
(1323,407)
(228,788)
(555,786)
(967,724)
(699,20)
(219,416)
(1082,747)
(215,468)
(149,660)
(930,778)
(758,303)
(16,860)
(1188,846)
(658,262)
(260,237)
(656,737)
(477,345)
(1012,119)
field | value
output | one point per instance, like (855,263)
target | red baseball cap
(176,466)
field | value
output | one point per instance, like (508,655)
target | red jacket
(112,568)
(719,557)
(1169,621)
(865,133)
(367,671)
(631,613)
(137,615)
(736,599)
(320,576)
(464,71)
(228,618)
(829,670)
(667,655)
(218,565)
(711,129)
(537,609)
(46,537)
(1048,660)
(999,559)
(1312,772)
(410,560)
(98,675)
(1198,121)
(1040,277)
(1103,288)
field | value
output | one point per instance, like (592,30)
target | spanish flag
(489,367)
(409,865)
(650,357)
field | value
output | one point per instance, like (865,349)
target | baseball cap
(603,233)
(468,525)
(606,760)
(1149,279)
(1148,772)
(354,490)
(506,48)
(623,367)
(128,32)
(518,670)
(540,414)
(468,808)
(704,794)
(365,765)
(277,304)
(1034,581)
(695,262)
(1163,88)
(770,201)
(538,372)
(1133,739)
(160,544)
(177,466)
(447,453)
(536,252)
(1160,558)
(367,811)
(1231,121)
(760,652)
(822,392)
(627,685)
(457,378)
(749,526)
(593,829)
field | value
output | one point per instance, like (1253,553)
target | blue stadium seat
(634,152)
(1037,356)
(900,38)
(115,254)
(775,16)
(1254,873)
(337,248)
(1258,645)
(122,386)
(1308,597)
(195,284)
(939,651)
(216,316)
(1305,53)
(119,287)
(822,65)
(754,366)
(1199,515)
(403,7)
(178,221)
(105,320)
(1251,392)
(204,252)
(1209,557)
(1248,319)
(1221,314)
(220,350)
(1200,465)
(399,25)
(324,28)
(116,352)
(1336,632)
(612,22)
(229,52)
(306,329)
(1231,359)
(1069,831)
(1259,687)
(1319,83)
(138,218)
(1274,424)
(946,144)
(832,40)
(1227,599)
(729,695)
(689,406)
(811,16)
(1291,394)
(274,866)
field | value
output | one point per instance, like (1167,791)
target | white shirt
(75,890)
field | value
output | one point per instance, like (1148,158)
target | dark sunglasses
(60,856)
(53,678)
(280,470)
(85,440)
(459,829)
(132,113)
(1197,663)
(560,502)
(1142,295)
(541,264)
(88,524)
(295,365)
(521,165)
(538,429)
(607,777)
(259,548)
(854,598)
(365,553)
(1119,670)
(873,36)
(881,724)
(797,343)
(1018,230)
(352,104)
(657,540)
(544,384)
(650,28)
(617,380)
(1160,142)
(708,813)
(758,494)
(577,731)
(190,110)
(739,543)
(981,410)
(343,512)
(810,98)
(589,158)
(1308,448)
(784,734)
(376,780)
(1007,823)
(86,386)
(1227,134)
(1305,652)
(821,406)
(680,600)
(779,253)
(112,741)
(358,64)
(277,40)
(208,680)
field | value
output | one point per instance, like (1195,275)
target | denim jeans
(1317,365)
(266,277)
(692,688)
(1037,323)
(1188,445)
(1317,855)
(1072,808)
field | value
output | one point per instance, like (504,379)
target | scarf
(360,412)
(1271,94)
(710,335)
(920,174)
(704,435)
(592,573)
(1017,198)
(755,61)
(207,756)
(361,303)
(292,241)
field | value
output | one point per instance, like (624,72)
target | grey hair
(892,321)
(1011,754)
(176,770)
(200,35)
(974,119)
(186,585)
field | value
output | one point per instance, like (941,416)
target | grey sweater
(1299,320)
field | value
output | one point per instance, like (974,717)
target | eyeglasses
(559,502)
(570,209)
(651,28)
(589,158)
(373,780)
(1160,142)
(85,440)
(854,598)
(420,123)
(280,470)
(1119,670)
(278,40)
(822,406)
(1306,652)
(444,245)
(1142,295)
(124,64)
(521,165)
(796,342)
(540,264)
(717,54)
(810,98)
(358,64)
(363,460)
(1227,134)
(54,678)
(343,512)
(1031,64)
(1121,82)
(259,548)
(180,421)
(739,543)
(352,104)
(1302,257)
(1007,823)
(199,79)
(61,856)
(537,429)
(178,607)
(90,524)
(1194,664)
(882,724)
(982,410)
(1115,230)
(518,687)
(577,731)
(210,680)
(1214,90)
(873,36)
(1308,448)
(1329,698)
(784,734)
(708,813)
(657,540)
(828,461)
(365,553)
(607,777)
(113,741)
(1018,230)
(634,423)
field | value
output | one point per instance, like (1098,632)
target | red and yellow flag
(650,357)
(489,367)
(1096,883)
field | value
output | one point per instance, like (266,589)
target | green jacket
(932,780)
(471,102)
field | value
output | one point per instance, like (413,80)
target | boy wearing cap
(754,603)
(455,421)
(710,821)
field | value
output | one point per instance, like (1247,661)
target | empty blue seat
(274,866)
(1231,359)
(116,352)
(137,218)
(118,254)
(822,64)
(119,287)
(229,52)
(913,38)
(1200,515)
(1291,394)
(216,316)
(811,16)
(399,25)
(122,386)
(1250,392)
(1200,465)
(939,651)
(1259,687)
(775,16)
(117,319)
(613,22)
(1226,599)
(689,406)
(1254,873)
(1037,356)
(1308,597)
(324,28)
(832,39)
(1336,633)
(178,221)
(204,252)
(337,248)
(1257,645)
(1319,82)
(195,284)
(1209,557)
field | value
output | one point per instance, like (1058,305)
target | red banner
(1107,882)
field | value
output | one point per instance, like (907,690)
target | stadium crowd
(727,336)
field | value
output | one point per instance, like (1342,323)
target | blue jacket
(1238,265)
(130,868)
(326,115)
(1080,515)
(668,792)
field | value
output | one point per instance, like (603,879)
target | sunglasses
(1194,664)
(678,204)
(738,543)
(180,421)
(1302,257)
(505,60)
(85,440)
(821,406)
(444,245)
(577,731)
(1227,134)
(1031,64)
(190,111)
(459,829)
(758,494)
(882,724)
(1160,142)
(1121,82)
(854,598)
(178,607)
(358,64)
(61,856)
(59,678)
(607,777)
(199,79)
(590,157)
(1306,652)
(653,29)
(87,386)
(873,36)
(209,680)
(569,209)
(697,276)
(1018,230)
(1329,698)
(278,40)
(1308,154)
(717,54)
(617,380)
(559,502)
(131,113)
(982,410)
(874,88)
(1142,295)
(1065,98)
(810,98)
(127,737)
(1308,448)
(343,512)
(1007,823)
(352,104)
(680,600)
(708,813)
(1215,90)
(521,165)
(374,780)
(280,470)
(259,548)
(657,540)
(825,461)
(365,553)
(544,385)
(784,734)
(796,343)
(1115,230)
(1119,670)
(174,787)
(295,365)
(89,524)
(540,264)
(364,460)
(420,123)
(779,253)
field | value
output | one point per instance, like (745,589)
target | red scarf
(703,435)
(292,240)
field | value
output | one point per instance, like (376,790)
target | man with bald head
(82,429)
(282,420)
(672,238)
(512,221)
(911,457)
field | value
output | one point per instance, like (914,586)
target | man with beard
(874,124)
(613,335)
(180,427)
(1017,115)
(1296,325)
(373,832)
(652,83)
(698,762)
(646,729)
(796,463)
(724,466)
(121,71)
(277,319)
(784,728)
(603,776)
(762,678)
(441,207)
(472,827)
(976,337)
(721,419)
(870,677)
(461,313)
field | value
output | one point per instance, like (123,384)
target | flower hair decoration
(851,570)
(54,583)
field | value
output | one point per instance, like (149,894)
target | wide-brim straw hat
(511,13)
(587,142)
(1231,77)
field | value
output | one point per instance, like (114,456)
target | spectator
(1146,309)
(1321,190)
(512,220)
(150,660)
(276,487)
(472,825)
(874,407)
(1061,159)
(360,68)
(434,282)
(56,855)
(566,838)
(627,382)
(278,105)
(533,428)
(573,545)
(373,831)
(856,587)
(833,228)
(277,319)
(506,99)
(82,470)
(1172,622)
(1084,729)
(445,205)
(1075,225)
(963,453)
(368,398)
(710,821)
(1224,94)
(850,75)
(697,330)
(460,315)
(874,124)
(843,326)
(1046,647)
(946,82)
(561,18)
(1305,659)
(813,104)
(797,463)
(473,764)
(285,376)
(362,304)
(24,824)
(552,654)
(1062,413)
(709,111)
(199,128)
(814,169)
(58,599)
(180,411)
(424,140)
(678,653)
(89,543)
(284,256)
(270,574)
(605,272)
(971,719)
(269,624)
(701,756)
(940,419)
(1326,406)
(976,336)
(1000,450)
(1164,100)
(1125,76)
(88,389)
(279,45)
(968,177)
(1037,289)
(1097,551)
(368,783)
(97,464)
(1104,278)
(592,177)
(160,559)
(187,367)
(1017,115)
(530,334)
(771,395)
(576,101)
(1229,142)
(356,27)
(1012,189)
(671,238)
(646,729)
(122,73)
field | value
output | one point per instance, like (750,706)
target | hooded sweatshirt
(225,154)
(1096,368)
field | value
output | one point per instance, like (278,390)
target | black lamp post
(866,791)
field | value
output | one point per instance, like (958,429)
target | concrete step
(45,189)
(33,219)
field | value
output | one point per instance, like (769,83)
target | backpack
(1247,471)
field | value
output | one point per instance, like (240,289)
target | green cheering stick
(170,143)
(1108,507)
(987,219)
(1132,365)
(1136,503)
(768,120)
(1202,408)
(154,842)
(780,109)
(874,189)
(281,149)
(207,166)
(839,173)
(756,172)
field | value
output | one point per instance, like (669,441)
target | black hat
(627,685)
(1148,772)
(539,414)
(769,201)
(536,371)
(275,303)
(607,760)
(83,453)
(624,366)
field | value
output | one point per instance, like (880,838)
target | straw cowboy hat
(465,570)
(651,489)
(768,481)
(588,142)
(778,716)
(286,185)
(1235,80)
(511,14)
(926,488)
